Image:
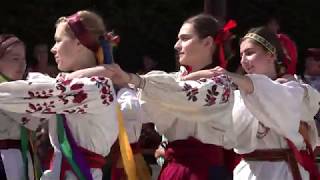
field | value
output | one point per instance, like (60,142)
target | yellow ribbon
(100,56)
(125,149)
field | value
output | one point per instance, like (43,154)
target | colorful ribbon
(24,134)
(71,151)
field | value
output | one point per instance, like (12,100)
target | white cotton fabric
(96,130)
(165,102)
(131,110)
(280,107)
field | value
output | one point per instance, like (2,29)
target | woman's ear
(272,56)
(208,41)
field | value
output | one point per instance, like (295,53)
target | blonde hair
(93,23)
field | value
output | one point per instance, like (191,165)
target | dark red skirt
(191,159)
(119,173)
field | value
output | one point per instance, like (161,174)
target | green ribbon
(23,136)
(66,148)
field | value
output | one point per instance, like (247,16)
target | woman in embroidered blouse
(189,113)
(271,121)
(83,104)
(12,67)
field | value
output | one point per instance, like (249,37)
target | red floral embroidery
(79,97)
(66,82)
(79,110)
(225,82)
(211,95)
(225,95)
(76,95)
(76,87)
(63,99)
(105,89)
(191,92)
(44,94)
(61,87)
(62,82)
(25,120)
(44,108)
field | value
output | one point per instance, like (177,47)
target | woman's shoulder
(37,75)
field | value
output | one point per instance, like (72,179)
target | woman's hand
(244,83)
(116,74)
(285,78)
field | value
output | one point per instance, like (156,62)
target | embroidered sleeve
(39,97)
(165,96)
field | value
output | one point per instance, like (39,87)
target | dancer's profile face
(65,48)
(191,50)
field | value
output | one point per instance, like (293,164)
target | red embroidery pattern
(80,110)
(211,95)
(25,120)
(225,82)
(63,99)
(79,97)
(225,95)
(262,131)
(46,108)
(76,95)
(191,92)
(105,89)
(40,94)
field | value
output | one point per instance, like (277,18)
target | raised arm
(244,83)
(206,100)
(44,96)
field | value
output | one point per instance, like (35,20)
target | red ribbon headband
(82,33)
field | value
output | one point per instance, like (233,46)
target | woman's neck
(272,75)
(208,65)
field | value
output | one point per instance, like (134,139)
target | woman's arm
(244,83)
(112,71)
(50,96)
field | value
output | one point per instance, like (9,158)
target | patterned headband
(6,41)
(261,41)
(102,48)
(82,33)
